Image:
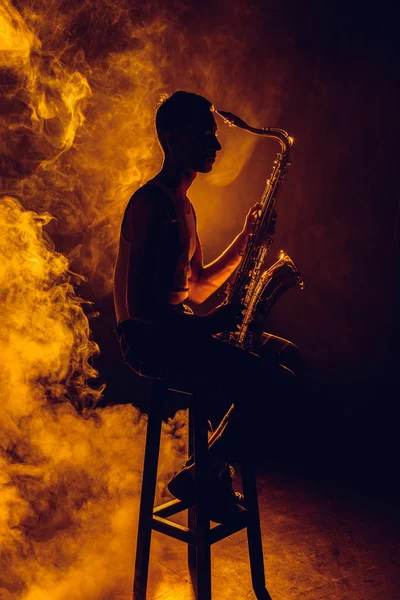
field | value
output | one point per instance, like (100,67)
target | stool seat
(198,535)
(152,372)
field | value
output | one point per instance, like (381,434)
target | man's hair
(176,112)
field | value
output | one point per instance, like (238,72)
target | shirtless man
(160,266)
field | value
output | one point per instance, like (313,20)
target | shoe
(223,502)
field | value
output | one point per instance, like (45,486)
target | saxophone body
(254,287)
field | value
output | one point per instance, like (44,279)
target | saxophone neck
(286,141)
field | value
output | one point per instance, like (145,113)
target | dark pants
(219,373)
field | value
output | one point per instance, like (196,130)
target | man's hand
(251,219)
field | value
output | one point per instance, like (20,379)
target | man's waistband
(137,326)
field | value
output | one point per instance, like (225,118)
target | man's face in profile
(197,147)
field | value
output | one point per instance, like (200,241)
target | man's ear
(169,140)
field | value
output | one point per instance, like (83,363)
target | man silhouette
(160,266)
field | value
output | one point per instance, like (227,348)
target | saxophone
(256,289)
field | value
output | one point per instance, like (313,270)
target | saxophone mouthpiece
(231,119)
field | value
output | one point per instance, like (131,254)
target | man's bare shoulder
(148,200)
(150,195)
(148,207)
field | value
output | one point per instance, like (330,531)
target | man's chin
(206,167)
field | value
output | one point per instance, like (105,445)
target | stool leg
(254,538)
(191,510)
(202,521)
(148,489)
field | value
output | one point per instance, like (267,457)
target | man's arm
(205,280)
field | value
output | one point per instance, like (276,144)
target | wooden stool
(198,535)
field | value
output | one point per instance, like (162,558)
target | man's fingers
(255,208)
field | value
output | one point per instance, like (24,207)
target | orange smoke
(69,481)
(44,331)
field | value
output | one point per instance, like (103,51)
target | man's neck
(176,178)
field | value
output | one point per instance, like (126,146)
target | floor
(323,539)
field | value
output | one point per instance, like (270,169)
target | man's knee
(283,351)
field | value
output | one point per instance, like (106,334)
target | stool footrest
(170,508)
(179,532)
(184,534)
(219,532)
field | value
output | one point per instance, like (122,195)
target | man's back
(157,242)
